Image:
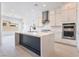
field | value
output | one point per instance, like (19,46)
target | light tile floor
(66,51)
(8,49)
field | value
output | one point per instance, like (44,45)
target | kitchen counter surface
(37,34)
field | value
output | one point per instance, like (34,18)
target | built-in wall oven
(69,31)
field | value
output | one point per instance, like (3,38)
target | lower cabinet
(58,33)
(30,42)
(41,45)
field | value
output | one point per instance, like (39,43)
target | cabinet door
(65,18)
(69,12)
(72,15)
(59,17)
(77,21)
(30,42)
(77,26)
(52,18)
(58,33)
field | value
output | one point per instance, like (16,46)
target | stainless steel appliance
(69,31)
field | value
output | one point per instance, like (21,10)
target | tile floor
(8,49)
(62,50)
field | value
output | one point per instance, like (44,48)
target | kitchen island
(41,43)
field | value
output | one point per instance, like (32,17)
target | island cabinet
(41,44)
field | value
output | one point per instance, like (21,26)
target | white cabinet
(58,33)
(69,11)
(77,26)
(72,15)
(52,18)
(77,40)
(59,17)
(65,14)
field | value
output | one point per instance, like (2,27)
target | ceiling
(25,8)
(27,11)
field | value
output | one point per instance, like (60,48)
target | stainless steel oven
(69,31)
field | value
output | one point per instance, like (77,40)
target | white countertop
(37,34)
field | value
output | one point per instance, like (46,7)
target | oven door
(68,34)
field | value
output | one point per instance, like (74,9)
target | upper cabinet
(69,11)
(77,26)
(77,21)
(64,14)
(52,18)
(59,17)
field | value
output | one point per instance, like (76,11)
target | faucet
(32,27)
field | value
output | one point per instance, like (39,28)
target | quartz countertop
(37,34)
